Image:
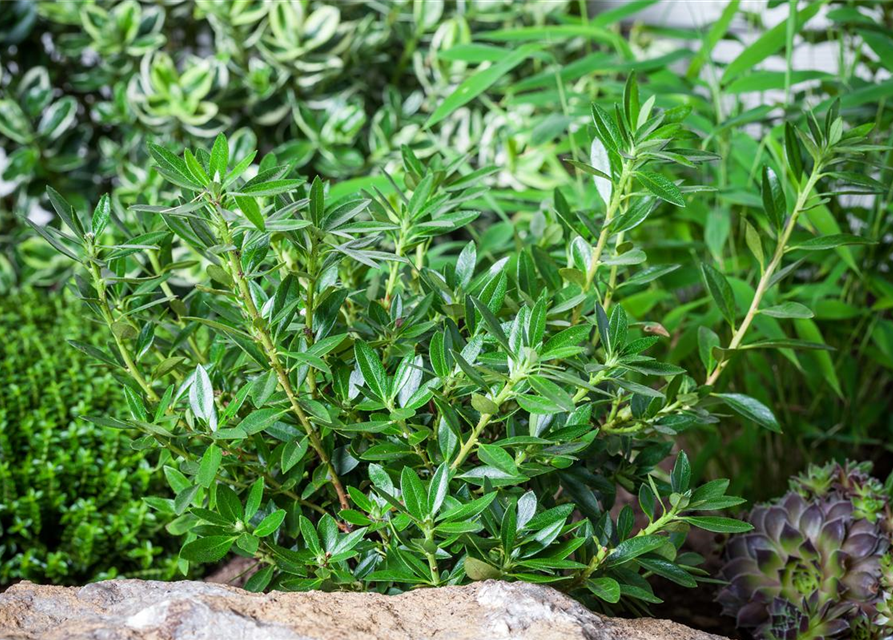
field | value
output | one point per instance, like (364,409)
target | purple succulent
(811,567)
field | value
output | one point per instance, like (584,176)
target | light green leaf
(373,372)
(788,310)
(718,525)
(270,524)
(219,158)
(480,82)
(633,548)
(770,43)
(606,589)
(661,187)
(823,243)
(207,470)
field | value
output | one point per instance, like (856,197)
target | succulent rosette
(816,564)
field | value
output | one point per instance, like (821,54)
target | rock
(135,609)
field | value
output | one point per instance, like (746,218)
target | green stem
(269,348)
(166,288)
(612,279)
(107,315)
(482,423)
(604,552)
(432,559)
(772,267)
(613,206)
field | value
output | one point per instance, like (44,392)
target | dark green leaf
(751,409)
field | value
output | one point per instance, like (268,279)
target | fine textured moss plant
(71,507)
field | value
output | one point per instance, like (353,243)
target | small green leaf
(788,310)
(208,549)
(787,343)
(228,503)
(219,158)
(293,452)
(201,397)
(373,372)
(437,354)
(721,292)
(270,524)
(483,404)
(66,212)
(219,274)
(438,488)
(718,525)
(769,43)
(257,421)
(479,570)
(754,243)
(751,409)
(207,470)
(251,210)
(476,84)
(793,151)
(308,532)
(681,475)
(633,548)
(537,405)
(493,324)
(661,187)
(101,215)
(255,497)
(552,392)
(823,243)
(317,200)
(172,167)
(269,188)
(195,168)
(773,198)
(415,497)
(259,581)
(497,457)
(607,589)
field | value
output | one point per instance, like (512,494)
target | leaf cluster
(342,392)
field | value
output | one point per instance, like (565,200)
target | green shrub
(71,504)
(355,399)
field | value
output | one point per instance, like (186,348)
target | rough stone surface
(134,609)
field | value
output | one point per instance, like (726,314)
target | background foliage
(71,507)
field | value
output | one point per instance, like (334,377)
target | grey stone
(135,609)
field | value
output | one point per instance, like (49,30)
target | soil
(234,572)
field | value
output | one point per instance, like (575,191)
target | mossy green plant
(71,507)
